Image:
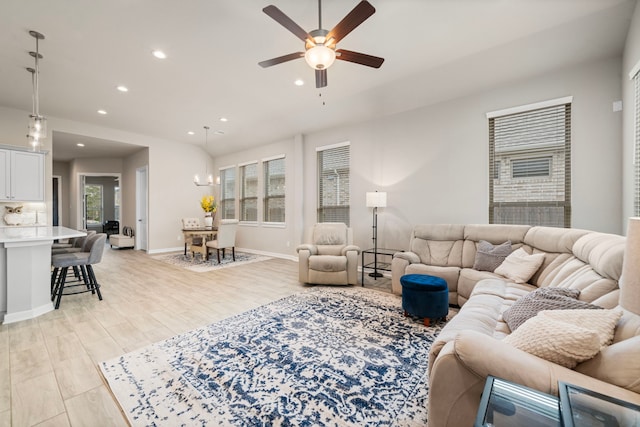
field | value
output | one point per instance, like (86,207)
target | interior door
(141,208)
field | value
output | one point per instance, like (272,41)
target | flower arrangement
(208,204)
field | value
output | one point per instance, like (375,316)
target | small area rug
(199,265)
(323,357)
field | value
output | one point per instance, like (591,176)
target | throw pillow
(603,322)
(558,342)
(489,257)
(543,299)
(566,337)
(519,266)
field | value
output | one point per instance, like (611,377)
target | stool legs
(59,279)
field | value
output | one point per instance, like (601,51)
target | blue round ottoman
(425,296)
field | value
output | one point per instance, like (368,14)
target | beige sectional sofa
(471,346)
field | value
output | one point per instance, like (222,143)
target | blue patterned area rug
(323,357)
(198,264)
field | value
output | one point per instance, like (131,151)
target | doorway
(100,201)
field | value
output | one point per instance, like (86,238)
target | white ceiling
(434,50)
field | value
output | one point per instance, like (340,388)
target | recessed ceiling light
(102,112)
(219,132)
(80,144)
(191,132)
(123,88)
(224,119)
(299,82)
(159,54)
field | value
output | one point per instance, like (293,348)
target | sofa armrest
(412,257)
(460,371)
(313,249)
(350,248)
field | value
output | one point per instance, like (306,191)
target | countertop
(37,233)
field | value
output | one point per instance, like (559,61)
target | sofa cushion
(327,263)
(617,364)
(489,257)
(566,337)
(520,266)
(543,299)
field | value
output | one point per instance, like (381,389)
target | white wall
(272,239)
(433,161)
(172,194)
(630,59)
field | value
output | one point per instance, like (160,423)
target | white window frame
(241,189)
(266,196)
(322,215)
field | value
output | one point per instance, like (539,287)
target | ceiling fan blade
(359,58)
(321,78)
(281,59)
(357,16)
(286,22)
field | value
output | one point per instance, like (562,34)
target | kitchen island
(25,270)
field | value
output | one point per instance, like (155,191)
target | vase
(208,220)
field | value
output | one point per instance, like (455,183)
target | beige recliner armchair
(330,258)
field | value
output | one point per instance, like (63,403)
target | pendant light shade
(37,128)
(196,178)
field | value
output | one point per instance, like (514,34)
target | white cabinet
(21,176)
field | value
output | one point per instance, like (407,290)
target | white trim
(530,107)
(270,254)
(224,168)
(251,162)
(274,224)
(27,314)
(634,71)
(329,147)
(276,157)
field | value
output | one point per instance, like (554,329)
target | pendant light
(196,178)
(37,129)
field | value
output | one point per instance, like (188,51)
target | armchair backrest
(331,233)
(190,223)
(227,233)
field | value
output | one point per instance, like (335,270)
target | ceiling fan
(320,44)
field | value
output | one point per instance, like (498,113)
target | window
(249,192)
(274,186)
(534,143)
(333,183)
(528,168)
(227,200)
(116,191)
(93,203)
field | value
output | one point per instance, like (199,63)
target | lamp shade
(376,199)
(320,57)
(630,278)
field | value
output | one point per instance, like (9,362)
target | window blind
(522,168)
(530,167)
(249,192)
(228,193)
(274,190)
(333,184)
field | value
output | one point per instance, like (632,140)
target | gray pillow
(489,257)
(529,305)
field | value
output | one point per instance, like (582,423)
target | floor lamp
(376,200)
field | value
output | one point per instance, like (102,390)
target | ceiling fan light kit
(320,44)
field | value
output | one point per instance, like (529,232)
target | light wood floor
(48,366)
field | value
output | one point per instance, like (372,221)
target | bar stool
(84,260)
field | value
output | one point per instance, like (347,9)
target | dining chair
(225,238)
